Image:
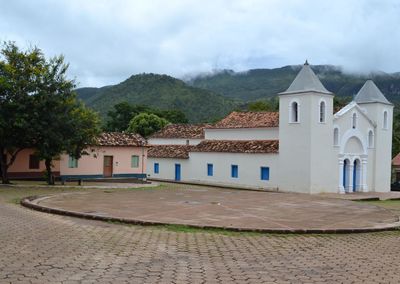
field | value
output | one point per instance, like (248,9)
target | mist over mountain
(207,96)
(258,84)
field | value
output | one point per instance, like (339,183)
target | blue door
(177,172)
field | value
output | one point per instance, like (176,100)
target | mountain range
(206,97)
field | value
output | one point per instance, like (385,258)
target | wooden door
(108,166)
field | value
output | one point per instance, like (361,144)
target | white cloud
(107,41)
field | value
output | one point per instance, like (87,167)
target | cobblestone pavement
(37,247)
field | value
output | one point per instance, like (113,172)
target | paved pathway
(213,207)
(37,247)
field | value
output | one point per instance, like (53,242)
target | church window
(322,112)
(385,120)
(336,136)
(370,139)
(294,112)
(354,122)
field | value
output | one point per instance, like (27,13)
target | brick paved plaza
(37,247)
(212,207)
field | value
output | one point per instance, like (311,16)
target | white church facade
(306,147)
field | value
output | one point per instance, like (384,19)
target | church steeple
(370,93)
(306,81)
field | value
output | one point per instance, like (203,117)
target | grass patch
(160,186)
(392,205)
(220,231)
(14,194)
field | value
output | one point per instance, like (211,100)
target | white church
(306,147)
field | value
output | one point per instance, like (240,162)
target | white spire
(306,81)
(370,93)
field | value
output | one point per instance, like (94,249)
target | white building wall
(167,168)
(194,169)
(173,141)
(383,144)
(264,133)
(353,143)
(294,145)
(324,165)
(249,169)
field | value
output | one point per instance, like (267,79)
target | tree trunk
(50,178)
(4,167)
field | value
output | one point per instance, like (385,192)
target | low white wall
(264,133)
(249,169)
(167,168)
(194,169)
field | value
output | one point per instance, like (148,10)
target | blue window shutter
(234,171)
(210,170)
(264,173)
(156,168)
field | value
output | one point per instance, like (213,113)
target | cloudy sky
(107,41)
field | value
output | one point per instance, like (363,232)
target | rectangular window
(234,171)
(264,173)
(72,162)
(134,161)
(156,168)
(210,170)
(34,162)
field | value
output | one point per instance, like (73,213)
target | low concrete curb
(31,202)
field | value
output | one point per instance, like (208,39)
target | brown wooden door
(108,166)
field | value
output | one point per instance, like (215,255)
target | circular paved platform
(222,208)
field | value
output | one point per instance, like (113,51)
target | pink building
(116,155)
(27,165)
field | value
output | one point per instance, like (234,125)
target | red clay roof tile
(396,160)
(169,151)
(120,139)
(238,146)
(193,131)
(248,120)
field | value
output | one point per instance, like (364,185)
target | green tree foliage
(40,109)
(267,105)
(146,124)
(340,102)
(122,113)
(172,115)
(396,132)
(61,123)
(20,73)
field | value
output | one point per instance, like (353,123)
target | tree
(20,73)
(38,109)
(121,115)
(61,123)
(269,105)
(396,134)
(172,115)
(340,102)
(146,124)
